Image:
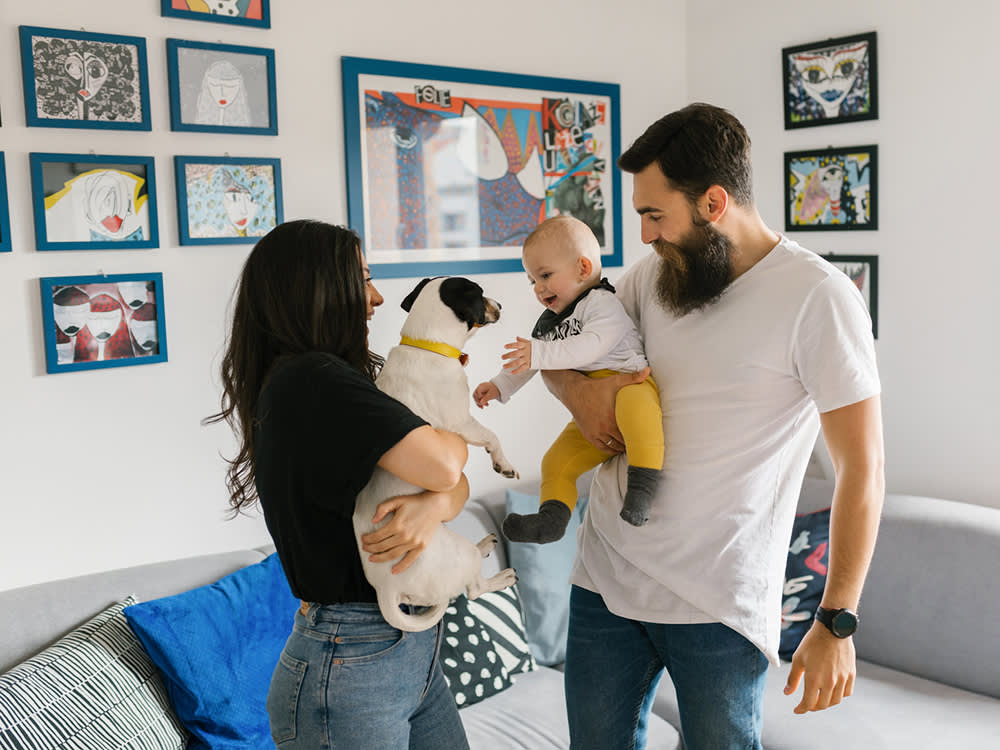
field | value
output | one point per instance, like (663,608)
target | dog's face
(446,308)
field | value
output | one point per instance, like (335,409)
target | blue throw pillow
(805,578)
(543,581)
(216,647)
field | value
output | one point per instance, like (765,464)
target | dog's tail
(389,604)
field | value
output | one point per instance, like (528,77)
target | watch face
(844,623)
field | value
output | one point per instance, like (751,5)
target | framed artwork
(91,202)
(4,210)
(221,88)
(243,12)
(830,81)
(863,271)
(227,200)
(449,169)
(831,189)
(78,79)
(103,321)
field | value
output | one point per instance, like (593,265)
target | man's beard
(695,272)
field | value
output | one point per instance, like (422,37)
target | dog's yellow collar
(438,347)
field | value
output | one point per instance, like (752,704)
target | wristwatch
(841,622)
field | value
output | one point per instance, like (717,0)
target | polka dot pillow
(483,645)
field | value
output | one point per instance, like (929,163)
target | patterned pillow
(484,645)
(805,578)
(95,687)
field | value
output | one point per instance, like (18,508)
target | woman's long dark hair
(302,289)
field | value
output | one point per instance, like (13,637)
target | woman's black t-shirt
(322,426)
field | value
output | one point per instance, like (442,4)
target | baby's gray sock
(642,484)
(547,525)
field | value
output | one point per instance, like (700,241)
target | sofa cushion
(472,667)
(217,647)
(805,578)
(532,714)
(95,687)
(501,613)
(543,572)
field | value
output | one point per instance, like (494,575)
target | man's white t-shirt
(742,382)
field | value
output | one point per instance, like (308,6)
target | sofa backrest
(931,604)
(32,617)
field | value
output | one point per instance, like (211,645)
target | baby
(584,327)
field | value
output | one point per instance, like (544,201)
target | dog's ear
(465,298)
(412,296)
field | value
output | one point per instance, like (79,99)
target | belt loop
(304,610)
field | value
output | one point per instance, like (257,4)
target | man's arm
(591,401)
(853,436)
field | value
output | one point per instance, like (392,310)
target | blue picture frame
(110,92)
(64,194)
(214,87)
(5,245)
(264,22)
(248,199)
(93,322)
(500,174)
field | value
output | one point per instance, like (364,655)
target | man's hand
(519,356)
(415,520)
(591,401)
(484,393)
(829,667)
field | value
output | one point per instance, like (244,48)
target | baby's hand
(519,356)
(484,393)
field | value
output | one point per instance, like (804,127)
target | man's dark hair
(695,148)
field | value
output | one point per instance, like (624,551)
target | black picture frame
(831,189)
(863,271)
(831,81)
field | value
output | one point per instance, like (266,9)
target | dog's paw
(506,470)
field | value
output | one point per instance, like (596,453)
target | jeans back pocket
(283,697)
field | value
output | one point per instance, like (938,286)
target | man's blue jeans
(347,680)
(614,664)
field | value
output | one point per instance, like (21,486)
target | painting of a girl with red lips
(227,200)
(88,202)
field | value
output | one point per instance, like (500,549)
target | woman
(299,392)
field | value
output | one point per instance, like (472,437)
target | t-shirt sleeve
(834,349)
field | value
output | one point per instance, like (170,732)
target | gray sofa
(928,646)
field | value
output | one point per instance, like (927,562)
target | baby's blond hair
(568,234)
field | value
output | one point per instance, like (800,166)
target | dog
(425,372)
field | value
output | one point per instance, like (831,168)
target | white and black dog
(425,372)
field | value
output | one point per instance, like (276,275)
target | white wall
(106,468)
(938,162)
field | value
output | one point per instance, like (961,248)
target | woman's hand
(591,401)
(415,520)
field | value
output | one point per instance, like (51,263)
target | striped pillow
(502,614)
(93,689)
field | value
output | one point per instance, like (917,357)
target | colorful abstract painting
(454,168)
(831,189)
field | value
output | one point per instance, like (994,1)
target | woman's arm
(427,457)
(415,520)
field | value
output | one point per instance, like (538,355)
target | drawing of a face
(104,318)
(108,203)
(133,292)
(831,177)
(223,81)
(89,71)
(240,207)
(71,308)
(828,75)
(143,327)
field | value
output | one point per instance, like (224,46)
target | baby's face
(556,275)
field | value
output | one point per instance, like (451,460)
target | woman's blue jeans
(347,680)
(614,664)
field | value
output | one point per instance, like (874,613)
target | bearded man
(756,343)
